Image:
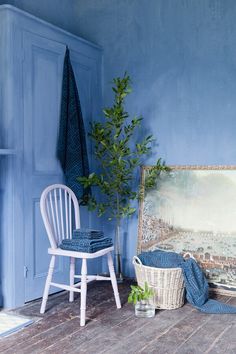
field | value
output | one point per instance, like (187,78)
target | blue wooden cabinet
(31,63)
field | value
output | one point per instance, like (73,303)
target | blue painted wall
(181,55)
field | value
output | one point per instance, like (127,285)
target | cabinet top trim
(14,9)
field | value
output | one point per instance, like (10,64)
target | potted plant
(118,158)
(141,297)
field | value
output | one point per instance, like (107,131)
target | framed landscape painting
(192,209)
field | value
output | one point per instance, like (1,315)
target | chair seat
(75,254)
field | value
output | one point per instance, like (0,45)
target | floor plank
(112,331)
(225,342)
(206,336)
(59,311)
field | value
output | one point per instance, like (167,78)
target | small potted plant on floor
(141,297)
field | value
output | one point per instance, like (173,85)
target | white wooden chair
(59,208)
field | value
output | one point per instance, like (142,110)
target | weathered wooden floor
(109,330)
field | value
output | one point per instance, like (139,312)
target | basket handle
(136,260)
(188,254)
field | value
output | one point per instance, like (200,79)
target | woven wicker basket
(167,284)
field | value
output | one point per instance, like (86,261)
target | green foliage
(118,157)
(138,293)
(152,175)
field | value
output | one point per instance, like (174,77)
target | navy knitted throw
(86,245)
(195,281)
(71,147)
(84,233)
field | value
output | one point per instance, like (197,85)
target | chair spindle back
(60,212)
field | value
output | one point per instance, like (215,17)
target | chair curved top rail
(60,212)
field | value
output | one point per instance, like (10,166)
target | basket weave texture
(166,283)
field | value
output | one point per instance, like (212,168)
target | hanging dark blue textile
(195,281)
(71,147)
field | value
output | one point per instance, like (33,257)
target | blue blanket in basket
(195,281)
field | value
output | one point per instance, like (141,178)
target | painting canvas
(193,210)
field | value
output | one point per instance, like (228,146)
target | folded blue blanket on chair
(84,233)
(195,281)
(86,245)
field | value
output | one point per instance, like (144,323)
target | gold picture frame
(205,191)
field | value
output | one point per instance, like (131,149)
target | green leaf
(138,293)
(130,299)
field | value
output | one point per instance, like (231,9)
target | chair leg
(72,278)
(47,284)
(83,292)
(113,280)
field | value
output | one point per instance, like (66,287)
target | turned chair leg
(72,278)
(113,280)
(83,292)
(47,284)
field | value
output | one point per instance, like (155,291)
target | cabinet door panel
(46,76)
(43,65)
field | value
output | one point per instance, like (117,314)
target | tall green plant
(118,157)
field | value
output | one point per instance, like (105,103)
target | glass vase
(143,308)
(118,256)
